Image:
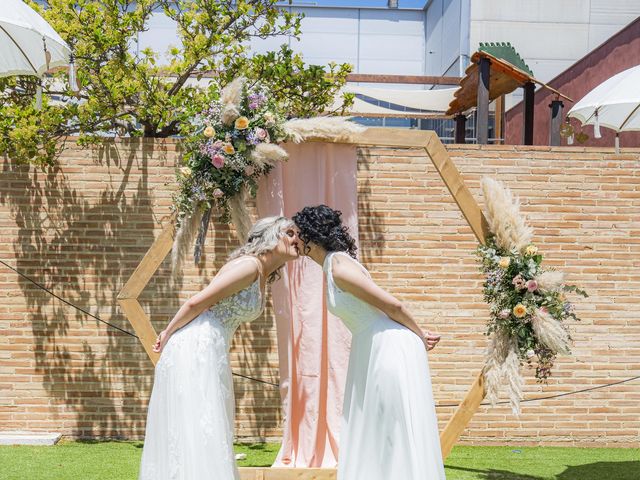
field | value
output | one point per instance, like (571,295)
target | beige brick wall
(82,229)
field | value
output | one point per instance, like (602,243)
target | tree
(134,94)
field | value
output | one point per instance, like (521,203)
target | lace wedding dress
(190,421)
(389,429)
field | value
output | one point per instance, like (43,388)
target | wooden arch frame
(372,137)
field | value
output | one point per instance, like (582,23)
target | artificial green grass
(89,460)
(258,454)
(543,463)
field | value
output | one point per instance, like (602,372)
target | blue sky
(362,3)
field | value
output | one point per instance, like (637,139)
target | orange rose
(519,310)
(242,123)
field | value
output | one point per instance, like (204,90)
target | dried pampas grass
(511,372)
(503,363)
(232,93)
(268,154)
(240,216)
(229,114)
(183,240)
(503,214)
(551,281)
(230,97)
(496,354)
(550,332)
(327,128)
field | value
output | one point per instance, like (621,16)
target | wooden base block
(268,473)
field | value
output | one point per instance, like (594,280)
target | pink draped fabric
(313,345)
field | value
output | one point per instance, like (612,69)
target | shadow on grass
(262,447)
(492,474)
(629,470)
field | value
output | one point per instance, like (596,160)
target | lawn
(119,461)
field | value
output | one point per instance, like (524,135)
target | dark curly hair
(323,226)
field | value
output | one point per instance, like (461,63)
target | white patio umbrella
(28,44)
(615,104)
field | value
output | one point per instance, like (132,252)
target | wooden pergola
(496,70)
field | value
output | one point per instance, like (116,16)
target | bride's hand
(430,340)
(161,341)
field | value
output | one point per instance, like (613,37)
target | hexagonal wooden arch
(372,137)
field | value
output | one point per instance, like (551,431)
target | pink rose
(504,314)
(217,193)
(249,170)
(218,144)
(519,282)
(217,160)
(261,133)
(532,285)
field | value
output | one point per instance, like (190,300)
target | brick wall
(82,229)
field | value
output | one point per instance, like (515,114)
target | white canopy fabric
(614,104)
(432,103)
(430,100)
(23,37)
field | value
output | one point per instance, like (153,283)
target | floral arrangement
(234,144)
(528,303)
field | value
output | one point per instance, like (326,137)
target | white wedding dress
(389,429)
(190,420)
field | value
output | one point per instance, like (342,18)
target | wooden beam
(398,114)
(409,79)
(149,263)
(482,112)
(499,120)
(141,324)
(462,416)
(269,473)
(455,184)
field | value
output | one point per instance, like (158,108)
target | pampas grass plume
(551,280)
(329,128)
(550,332)
(504,217)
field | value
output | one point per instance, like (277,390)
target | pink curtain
(313,345)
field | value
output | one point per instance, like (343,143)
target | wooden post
(461,126)
(529,98)
(482,112)
(556,122)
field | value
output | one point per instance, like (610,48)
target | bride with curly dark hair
(389,428)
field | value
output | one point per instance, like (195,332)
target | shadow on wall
(370,222)
(81,235)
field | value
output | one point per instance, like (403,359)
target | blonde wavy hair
(263,237)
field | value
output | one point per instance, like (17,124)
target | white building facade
(550,35)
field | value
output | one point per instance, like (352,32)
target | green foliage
(135,94)
(300,90)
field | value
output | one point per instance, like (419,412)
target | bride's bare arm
(231,278)
(350,278)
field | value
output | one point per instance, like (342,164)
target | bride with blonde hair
(189,433)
